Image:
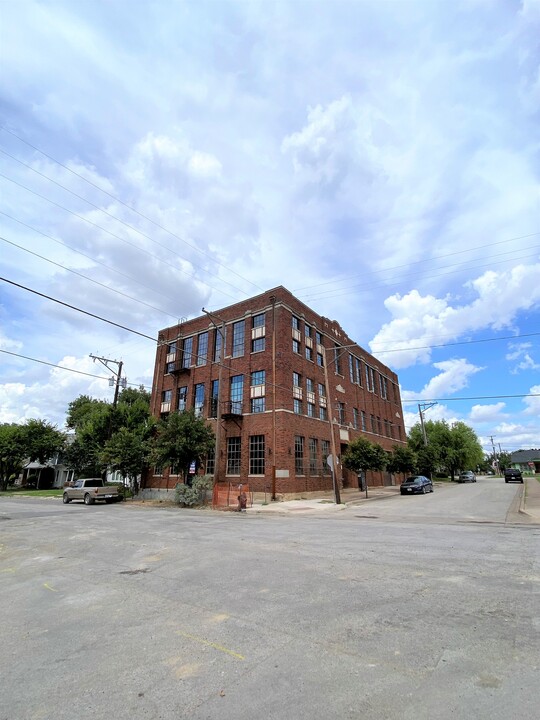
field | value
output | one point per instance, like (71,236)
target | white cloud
(486,413)
(419,320)
(455,375)
(533,405)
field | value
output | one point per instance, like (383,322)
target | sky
(381,160)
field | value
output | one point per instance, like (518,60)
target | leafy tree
(465,451)
(42,440)
(504,460)
(450,448)
(362,455)
(401,460)
(127,452)
(96,423)
(180,439)
(12,453)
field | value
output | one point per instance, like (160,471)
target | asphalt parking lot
(142,612)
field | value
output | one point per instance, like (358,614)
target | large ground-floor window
(256,455)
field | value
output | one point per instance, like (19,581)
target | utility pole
(117,380)
(221,330)
(422,407)
(335,477)
(495,458)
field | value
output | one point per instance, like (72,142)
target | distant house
(53,474)
(528,461)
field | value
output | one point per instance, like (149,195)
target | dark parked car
(416,484)
(467,476)
(511,474)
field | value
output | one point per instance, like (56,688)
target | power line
(118,237)
(452,344)
(64,244)
(60,367)
(96,282)
(129,207)
(419,262)
(72,307)
(477,397)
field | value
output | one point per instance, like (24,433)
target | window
(202,351)
(310,386)
(258,404)
(182,399)
(320,360)
(234,455)
(313,455)
(256,455)
(383,384)
(214,397)
(299,455)
(363,420)
(169,367)
(355,418)
(309,353)
(322,390)
(238,338)
(295,323)
(323,415)
(187,352)
(370,379)
(171,347)
(351,368)
(386,430)
(237,393)
(258,320)
(307,331)
(311,409)
(325,450)
(258,344)
(318,338)
(218,345)
(297,406)
(337,359)
(379,425)
(341,413)
(166,397)
(296,379)
(198,403)
(258,377)
(373,425)
(358,371)
(211,462)
(296,346)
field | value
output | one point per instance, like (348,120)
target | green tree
(12,453)
(401,460)
(505,460)
(180,439)
(448,448)
(464,452)
(42,440)
(362,455)
(127,452)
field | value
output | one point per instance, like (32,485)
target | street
(408,607)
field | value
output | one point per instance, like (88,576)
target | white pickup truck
(91,489)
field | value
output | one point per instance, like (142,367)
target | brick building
(281,379)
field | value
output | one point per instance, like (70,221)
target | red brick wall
(287,424)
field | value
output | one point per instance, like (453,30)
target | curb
(522,500)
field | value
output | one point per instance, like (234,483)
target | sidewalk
(530,500)
(325,502)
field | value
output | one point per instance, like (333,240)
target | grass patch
(12,492)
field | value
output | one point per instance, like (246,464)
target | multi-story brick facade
(276,401)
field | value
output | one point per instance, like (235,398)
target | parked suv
(467,476)
(511,474)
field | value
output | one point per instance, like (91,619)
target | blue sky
(379,159)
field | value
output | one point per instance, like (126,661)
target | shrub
(187,496)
